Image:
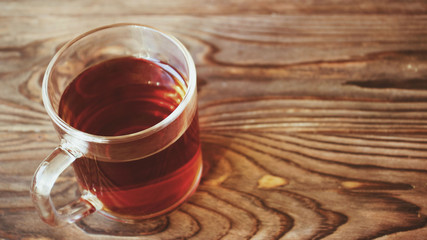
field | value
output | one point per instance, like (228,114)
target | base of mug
(141,219)
(97,224)
(103,222)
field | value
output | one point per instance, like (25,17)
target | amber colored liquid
(123,96)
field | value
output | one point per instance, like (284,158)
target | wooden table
(313,115)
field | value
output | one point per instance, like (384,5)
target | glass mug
(123,100)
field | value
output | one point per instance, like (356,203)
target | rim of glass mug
(87,137)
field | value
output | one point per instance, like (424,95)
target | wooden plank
(313,116)
(203,8)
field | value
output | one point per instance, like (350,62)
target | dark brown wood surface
(313,116)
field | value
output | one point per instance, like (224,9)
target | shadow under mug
(115,173)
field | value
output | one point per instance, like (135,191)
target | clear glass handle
(41,186)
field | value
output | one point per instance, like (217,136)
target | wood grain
(313,116)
